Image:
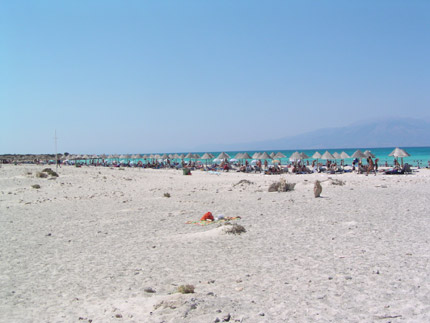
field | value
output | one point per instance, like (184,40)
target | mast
(56,154)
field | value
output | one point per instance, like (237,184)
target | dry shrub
(338,182)
(50,172)
(235,229)
(281,186)
(41,175)
(186,289)
(36,186)
(166,194)
(243,181)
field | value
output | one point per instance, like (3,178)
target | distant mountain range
(392,132)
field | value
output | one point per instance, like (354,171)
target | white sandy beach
(84,247)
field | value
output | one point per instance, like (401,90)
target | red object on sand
(207,216)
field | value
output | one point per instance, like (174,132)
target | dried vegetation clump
(41,175)
(242,182)
(337,182)
(36,186)
(281,186)
(186,289)
(50,172)
(235,229)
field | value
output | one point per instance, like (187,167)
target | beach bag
(186,171)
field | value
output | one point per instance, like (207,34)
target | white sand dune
(85,246)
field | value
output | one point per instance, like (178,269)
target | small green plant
(186,289)
(36,186)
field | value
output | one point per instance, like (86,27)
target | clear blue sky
(156,76)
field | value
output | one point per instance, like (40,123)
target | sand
(89,245)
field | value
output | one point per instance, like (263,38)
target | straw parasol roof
(344,155)
(316,155)
(280,155)
(358,154)
(223,155)
(264,156)
(336,155)
(165,156)
(368,153)
(246,156)
(398,152)
(303,155)
(256,155)
(196,156)
(295,156)
(272,154)
(206,156)
(327,155)
(238,156)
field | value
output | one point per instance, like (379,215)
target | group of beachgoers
(371,166)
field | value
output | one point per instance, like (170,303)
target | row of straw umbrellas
(258,155)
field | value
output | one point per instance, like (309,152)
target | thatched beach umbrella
(238,156)
(246,156)
(272,155)
(368,153)
(206,157)
(295,156)
(223,155)
(344,155)
(264,156)
(256,155)
(336,155)
(303,155)
(398,152)
(358,154)
(280,155)
(327,155)
(316,155)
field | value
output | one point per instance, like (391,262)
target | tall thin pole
(56,154)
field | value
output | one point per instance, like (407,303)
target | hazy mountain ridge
(390,132)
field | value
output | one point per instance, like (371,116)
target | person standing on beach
(370,166)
